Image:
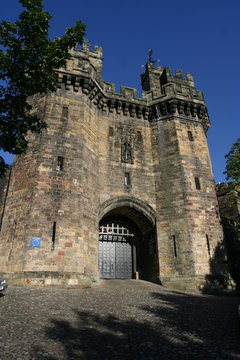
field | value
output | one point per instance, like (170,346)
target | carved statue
(127,153)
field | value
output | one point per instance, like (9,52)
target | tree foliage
(28,60)
(233,164)
(233,176)
(232,228)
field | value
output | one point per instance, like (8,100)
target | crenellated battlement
(159,81)
(86,60)
(163,93)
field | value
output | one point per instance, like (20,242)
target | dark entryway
(127,245)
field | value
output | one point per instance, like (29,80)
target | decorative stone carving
(127,153)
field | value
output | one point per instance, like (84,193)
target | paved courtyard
(117,320)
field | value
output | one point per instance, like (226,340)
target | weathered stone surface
(103,154)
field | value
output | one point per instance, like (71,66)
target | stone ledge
(48,278)
(205,284)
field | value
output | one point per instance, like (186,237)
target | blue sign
(36,242)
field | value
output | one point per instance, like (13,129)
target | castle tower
(116,187)
(186,203)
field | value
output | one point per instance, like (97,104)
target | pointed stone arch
(131,202)
(126,212)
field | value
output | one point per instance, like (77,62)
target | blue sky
(199,37)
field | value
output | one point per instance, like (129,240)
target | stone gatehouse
(116,187)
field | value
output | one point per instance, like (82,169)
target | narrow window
(208,245)
(64,112)
(190,135)
(175,246)
(59,166)
(53,234)
(127,180)
(197,183)
(139,137)
(110,131)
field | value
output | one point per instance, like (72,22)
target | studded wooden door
(115,257)
(106,259)
(123,260)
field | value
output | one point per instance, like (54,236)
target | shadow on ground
(176,325)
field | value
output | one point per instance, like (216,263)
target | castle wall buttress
(55,182)
(188,227)
(17,206)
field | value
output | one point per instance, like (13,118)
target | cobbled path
(126,320)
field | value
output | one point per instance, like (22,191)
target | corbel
(187,109)
(68,82)
(194,110)
(77,84)
(164,109)
(86,86)
(139,112)
(146,113)
(60,80)
(180,107)
(111,105)
(133,111)
(119,107)
(126,109)
(172,106)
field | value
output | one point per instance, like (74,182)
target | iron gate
(115,252)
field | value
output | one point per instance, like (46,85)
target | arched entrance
(127,241)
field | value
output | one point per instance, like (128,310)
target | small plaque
(36,242)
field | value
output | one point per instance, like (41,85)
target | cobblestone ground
(117,322)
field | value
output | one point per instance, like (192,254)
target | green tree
(232,228)
(232,173)
(233,164)
(28,60)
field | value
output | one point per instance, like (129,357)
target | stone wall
(107,153)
